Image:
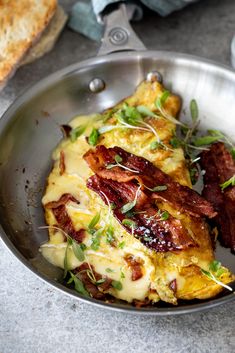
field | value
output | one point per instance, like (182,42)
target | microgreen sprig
(110,235)
(121,245)
(118,160)
(109,270)
(77,132)
(157,188)
(213,136)
(131,117)
(93,138)
(78,249)
(78,285)
(116,284)
(227,183)
(128,206)
(163,215)
(160,102)
(215,271)
(94,222)
(194,110)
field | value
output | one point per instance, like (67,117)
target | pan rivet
(153,76)
(118,36)
(97,85)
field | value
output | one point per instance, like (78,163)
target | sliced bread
(48,38)
(21,24)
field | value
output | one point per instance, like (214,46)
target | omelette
(122,217)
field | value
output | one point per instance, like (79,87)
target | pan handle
(118,34)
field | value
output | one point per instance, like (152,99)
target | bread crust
(48,37)
(21,24)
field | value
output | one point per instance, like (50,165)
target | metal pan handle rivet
(153,76)
(97,85)
(118,36)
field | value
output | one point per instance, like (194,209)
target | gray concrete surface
(36,318)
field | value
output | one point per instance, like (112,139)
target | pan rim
(55,78)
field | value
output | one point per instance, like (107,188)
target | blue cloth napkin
(84,17)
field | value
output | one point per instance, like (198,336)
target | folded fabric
(85,15)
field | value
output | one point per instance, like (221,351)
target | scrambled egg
(159,269)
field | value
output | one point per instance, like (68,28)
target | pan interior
(30,130)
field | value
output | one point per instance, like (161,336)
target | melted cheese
(159,269)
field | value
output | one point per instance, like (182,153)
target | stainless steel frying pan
(29,131)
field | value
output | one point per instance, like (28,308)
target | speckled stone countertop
(36,318)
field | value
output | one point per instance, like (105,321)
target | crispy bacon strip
(219,166)
(145,222)
(143,171)
(135,265)
(97,291)
(64,221)
(62,163)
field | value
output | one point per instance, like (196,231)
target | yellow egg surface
(159,270)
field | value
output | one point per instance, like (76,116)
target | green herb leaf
(95,243)
(94,221)
(78,285)
(130,214)
(194,110)
(122,275)
(110,166)
(107,115)
(207,273)
(213,278)
(83,246)
(91,275)
(70,280)
(227,183)
(175,142)
(129,223)
(96,239)
(110,235)
(159,188)
(154,145)
(145,111)
(128,206)
(117,285)
(232,151)
(220,271)
(184,130)
(78,252)
(157,144)
(217,133)
(121,245)
(164,216)
(214,266)
(214,135)
(193,172)
(106,128)
(117,158)
(205,140)
(162,100)
(100,281)
(113,205)
(147,239)
(77,132)
(109,270)
(131,115)
(93,138)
